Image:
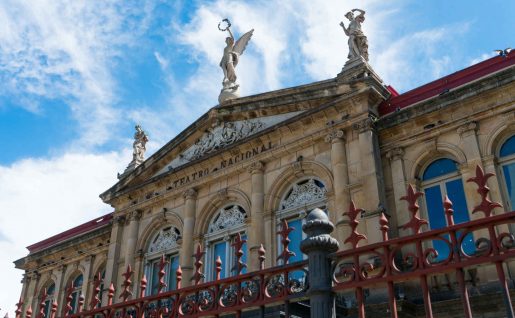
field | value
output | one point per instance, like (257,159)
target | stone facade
(328,143)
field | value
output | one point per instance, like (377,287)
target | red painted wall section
(76,231)
(445,84)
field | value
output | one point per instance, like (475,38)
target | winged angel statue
(232,52)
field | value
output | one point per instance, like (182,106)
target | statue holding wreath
(230,59)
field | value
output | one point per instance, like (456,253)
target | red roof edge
(81,229)
(446,83)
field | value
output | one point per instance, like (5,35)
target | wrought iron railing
(378,265)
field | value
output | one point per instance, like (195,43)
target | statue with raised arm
(358,43)
(139,145)
(230,59)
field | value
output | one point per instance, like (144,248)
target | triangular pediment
(229,126)
(223,135)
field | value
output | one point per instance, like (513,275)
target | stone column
(399,212)
(371,176)
(186,255)
(256,233)
(341,182)
(132,237)
(59,287)
(113,254)
(32,293)
(318,245)
(87,279)
(470,147)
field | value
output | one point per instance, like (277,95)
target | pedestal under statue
(230,58)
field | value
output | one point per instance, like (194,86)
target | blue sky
(78,75)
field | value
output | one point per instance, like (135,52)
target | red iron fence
(326,272)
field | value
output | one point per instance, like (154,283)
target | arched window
(439,179)
(507,164)
(49,299)
(165,242)
(75,293)
(302,197)
(222,231)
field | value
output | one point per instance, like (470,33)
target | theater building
(251,162)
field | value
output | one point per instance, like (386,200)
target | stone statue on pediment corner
(358,43)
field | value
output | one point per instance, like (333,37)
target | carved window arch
(439,179)
(506,159)
(76,292)
(227,223)
(165,242)
(303,196)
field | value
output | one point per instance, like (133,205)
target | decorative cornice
(191,193)
(395,154)
(335,136)
(256,167)
(467,128)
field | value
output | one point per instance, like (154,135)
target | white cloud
(43,197)
(163,63)
(481,58)
(64,50)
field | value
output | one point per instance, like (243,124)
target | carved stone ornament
(190,194)
(304,193)
(395,154)
(222,136)
(256,167)
(364,125)
(335,136)
(228,218)
(468,127)
(165,240)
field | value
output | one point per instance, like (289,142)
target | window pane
(436,218)
(78,281)
(434,205)
(172,268)
(438,168)
(295,237)
(244,256)
(220,250)
(50,290)
(456,194)
(509,178)
(508,148)
(155,278)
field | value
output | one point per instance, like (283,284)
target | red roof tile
(444,84)
(73,232)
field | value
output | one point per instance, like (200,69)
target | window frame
(154,257)
(501,163)
(298,212)
(227,236)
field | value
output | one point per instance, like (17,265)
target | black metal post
(318,245)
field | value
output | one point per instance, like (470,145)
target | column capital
(363,125)
(135,215)
(395,154)
(190,194)
(470,127)
(256,167)
(335,136)
(120,220)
